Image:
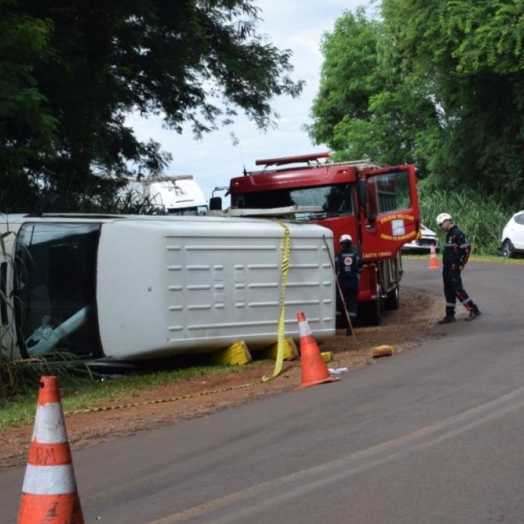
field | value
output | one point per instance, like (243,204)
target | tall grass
(481,217)
(21,376)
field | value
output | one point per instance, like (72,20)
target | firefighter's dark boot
(474,314)
(448,319)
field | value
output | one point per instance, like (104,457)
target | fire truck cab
(377,206)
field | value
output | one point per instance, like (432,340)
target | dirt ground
(403,329)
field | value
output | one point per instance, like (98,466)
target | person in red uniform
(348,264)
(455,256)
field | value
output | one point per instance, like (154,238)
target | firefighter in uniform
(348,265)
(454,258)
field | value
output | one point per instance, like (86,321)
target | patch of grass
(20,409)
(498,260)
(493,259)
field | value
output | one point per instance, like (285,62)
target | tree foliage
(364,109)
(471,55)
(443,89)
(75,69)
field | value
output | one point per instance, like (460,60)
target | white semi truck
(129,288)
(169,194)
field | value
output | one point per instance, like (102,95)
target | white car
(423,243)
(512,240)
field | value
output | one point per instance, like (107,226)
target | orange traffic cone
(49,491)
(433,260)
(314,370)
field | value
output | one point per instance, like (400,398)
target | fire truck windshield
(333,200)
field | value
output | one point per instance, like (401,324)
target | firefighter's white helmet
(442,218)
(345,238)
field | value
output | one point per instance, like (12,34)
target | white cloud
(214,160)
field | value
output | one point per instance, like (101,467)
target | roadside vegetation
(479,215)
(80,388)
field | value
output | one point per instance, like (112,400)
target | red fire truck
(377,206)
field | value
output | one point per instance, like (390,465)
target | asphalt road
(429,436)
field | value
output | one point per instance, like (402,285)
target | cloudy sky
(214,160)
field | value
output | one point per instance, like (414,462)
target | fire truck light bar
(291,159)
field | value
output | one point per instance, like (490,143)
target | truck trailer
(119,288)
(168,194)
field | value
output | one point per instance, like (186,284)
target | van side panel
(184,285)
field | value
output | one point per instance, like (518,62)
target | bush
(480,216)
(18,377)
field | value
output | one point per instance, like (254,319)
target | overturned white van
(129,288)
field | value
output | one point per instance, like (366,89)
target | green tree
(86,65)
(439,84)
(470,55)
(27,129)
(364,107)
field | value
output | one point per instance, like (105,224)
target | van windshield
(55,266)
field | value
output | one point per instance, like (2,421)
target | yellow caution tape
(161,401)
(281,322)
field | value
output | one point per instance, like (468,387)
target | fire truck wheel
(371,313)
(392,299)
